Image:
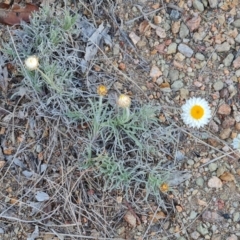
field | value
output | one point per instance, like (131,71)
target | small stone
(185,50)
(236,62)
(184,31)
(121,230)
(232,237)
(228,60)
(224,109)
(213,3)
(155,72)
(200,181)
(173,75)
(228,122)
(135,39)
(184,93)
(172,48)
(236,23)
(236,216)
(198,5)
(195,235)
(212,167)
(237,39)
(177,85)
(214,182)
(190,162)
(224,47)
(193,215)
(225,133)
(175,15)
(161,32)
(202,230)
(218,85)
(237,73)
(179,57)
(116,49)
(200,56)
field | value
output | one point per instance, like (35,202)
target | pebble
(202,230)
(116,49)
(213,3)
(228,60)
(236,23)
(175,15)
(200,181)
(224,109)
(184,93)
(236,62)
(185,50)
(218,85)
(224,47)
(195,235)
(184,31)
(237,73)
(237,39)
(173,75)
(193,215)
(190,162)
(232,237)
(177,85)
(214,182)
(172,48)
(236,216)
(200,56)
(212,167)
(225,133)
(198,5)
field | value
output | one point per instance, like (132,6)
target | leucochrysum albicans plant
(32,64)
(196,112)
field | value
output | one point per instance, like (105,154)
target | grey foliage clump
(59,42)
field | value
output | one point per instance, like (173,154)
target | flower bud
(32,63)
(102,90)
(124,101)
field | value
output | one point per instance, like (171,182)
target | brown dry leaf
(16,13)
(144,26)
(8,151)
(201,202)
(156,6)
(165,85)
(227,177)
(130,218)
(155,217)
(194,23)
(14,201)
(2,163)
(179,208)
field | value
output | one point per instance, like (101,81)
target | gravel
(185,50)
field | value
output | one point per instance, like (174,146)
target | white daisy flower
(236,142)
(196,112)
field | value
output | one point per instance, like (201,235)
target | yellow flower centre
(102,90)
(197,112)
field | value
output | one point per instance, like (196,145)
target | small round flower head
(164,187)
(124,101)
(102,90)
(196,112)
(236,142)
(32,63)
